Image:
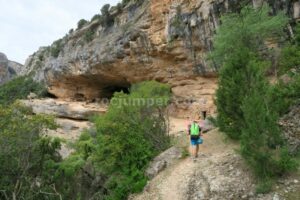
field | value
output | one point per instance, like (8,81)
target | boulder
(163,160)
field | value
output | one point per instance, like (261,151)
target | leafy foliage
(96,17)
(246,31)
(290,54)
(27,160)
(56,48)
(237,43)
(261,142)
(248,106)
(284,95)
(19,88)
(106,18)
(89,35)
(81,23)
(118,151)
(126,148)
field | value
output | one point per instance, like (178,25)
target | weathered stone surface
(8,69)
(291,128)
(162,161)
(64,109)
(4,75)
(152,40)
(68,130)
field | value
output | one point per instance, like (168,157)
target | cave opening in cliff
(49,95)
(108,91)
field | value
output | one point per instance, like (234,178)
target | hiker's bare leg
(197,150)
(192,150)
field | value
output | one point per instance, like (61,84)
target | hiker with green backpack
(195,133)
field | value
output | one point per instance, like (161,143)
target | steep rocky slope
(163,40)
(8,69)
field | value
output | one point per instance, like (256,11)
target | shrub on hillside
(28,160)
(237,43)
(19,88)
(117,152)
(89,35)
(126,148)
(96,17)
(284,95)
(106,18)
(247,106)
(262,143)
(56,48)
(290,54)
(81,23)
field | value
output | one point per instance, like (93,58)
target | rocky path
(218,174)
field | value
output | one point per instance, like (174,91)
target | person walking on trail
(195,133)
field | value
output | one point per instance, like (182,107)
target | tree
(81,23)
(239,41)
(290,54)
(19,88)
(106,19)
(110,161)
(262,144)
(56,48)
(27,158)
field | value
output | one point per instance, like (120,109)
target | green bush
(130,135)
(264,186)
(105,10)
(107,19)
(81,23)
(28,160)
(237,43)
(118,151)
(96,17)
(56,48)
(284,95)
(262,144)
(19,88)
(290,54)
(89,35)
(248,106)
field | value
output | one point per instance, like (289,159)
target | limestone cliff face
(8,69)
(163,40)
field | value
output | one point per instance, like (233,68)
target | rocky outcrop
(163,160)
(162,40)
(68,130)
(8,69)
(64,109)
(72,118)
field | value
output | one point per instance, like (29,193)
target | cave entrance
(108,91)
(49,95)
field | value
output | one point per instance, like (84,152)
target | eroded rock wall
(164,40)
(8,69)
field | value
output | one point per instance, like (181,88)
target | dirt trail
(218,174)
(195,180)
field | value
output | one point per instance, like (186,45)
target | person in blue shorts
(195,133)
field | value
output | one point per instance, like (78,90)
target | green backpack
(195,131)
